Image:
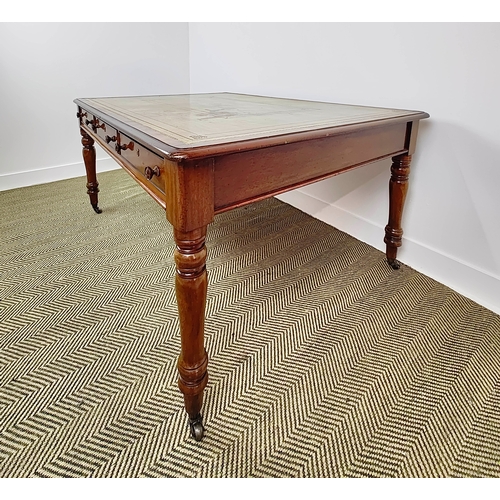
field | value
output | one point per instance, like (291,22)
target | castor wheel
(97,210)
(395,264)
(197,429)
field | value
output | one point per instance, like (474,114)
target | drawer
(106,133)
(147,164)
(102,130)
(86,120)
(93,124)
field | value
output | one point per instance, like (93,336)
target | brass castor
(196,427)
(395,264)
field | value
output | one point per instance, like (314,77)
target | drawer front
(86,120)
(146,166)
(107,134)
(96,127)
(145,163)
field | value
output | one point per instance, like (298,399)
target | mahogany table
(201,154)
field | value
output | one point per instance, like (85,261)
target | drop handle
(119,147)
(95,124)
(150,172)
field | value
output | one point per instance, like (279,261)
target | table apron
(134,161)
(242,178)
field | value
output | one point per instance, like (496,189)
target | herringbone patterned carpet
(324,362)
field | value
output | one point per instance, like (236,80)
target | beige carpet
(324,362)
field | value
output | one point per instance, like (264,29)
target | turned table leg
(191,291)
(398,186)
(89,159)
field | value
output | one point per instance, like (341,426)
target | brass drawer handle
(150,172)
(119,147)
(110,139)
(82,114)
(95,124)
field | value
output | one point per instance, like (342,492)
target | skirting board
(51,174)
(470,282)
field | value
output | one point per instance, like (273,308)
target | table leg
(89,159)
(191,291)
(398,186)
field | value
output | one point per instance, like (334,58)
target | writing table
(199,155)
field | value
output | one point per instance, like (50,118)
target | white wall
(44,66)
(448,70)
